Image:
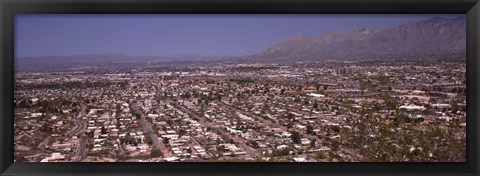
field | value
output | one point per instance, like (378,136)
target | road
(80,126)
(81,149)
(148,130)
(250,150)
(120,147)
(43,143)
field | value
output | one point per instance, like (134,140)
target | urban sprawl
(232,111)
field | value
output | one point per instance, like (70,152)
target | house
(305,141)
(298,159)
(412,107)
(281,147)
(55,157)
(170,159)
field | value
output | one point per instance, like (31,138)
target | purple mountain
(429,36)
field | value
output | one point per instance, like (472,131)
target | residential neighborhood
(234,111)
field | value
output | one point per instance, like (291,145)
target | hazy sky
(169,35)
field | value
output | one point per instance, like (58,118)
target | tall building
(345,71)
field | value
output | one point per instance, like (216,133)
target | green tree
(20,158)
(182,132)
(156,153)
(296,137)
(315,105)
(312,143)
(309,129)
(321,155)
(104,130)
(148,140)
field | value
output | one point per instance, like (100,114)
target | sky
(182,34)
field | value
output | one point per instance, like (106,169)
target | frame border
(9,8)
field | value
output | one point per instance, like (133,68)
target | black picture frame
(9,8)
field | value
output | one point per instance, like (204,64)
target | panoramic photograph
(240,88)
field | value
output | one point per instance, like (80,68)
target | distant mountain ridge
(436,35)
(49,62)
(428,36)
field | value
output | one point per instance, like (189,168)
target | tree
(22,104)
(130,140)
(219,97)
(306,102)
(91,133)
(20,158)
(296,137)
(281,152)
(454,106)
(138,116)
(188,95)
(290,116)
(289,124)
(90,146)
(156,153)
(221,148)
(321,155)
(335,128)
(297,99)
(104,130)
(413,142)
(299,88)
(309,129)
(335,145)
(390,102)
(45,128)
(253,144)
(148,140)
(312,143)
(182,132)
(382,79)
(155,129)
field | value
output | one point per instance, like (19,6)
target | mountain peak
(301,37)
(363,31)
(436,19)
(329,37)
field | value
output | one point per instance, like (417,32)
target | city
(236,111)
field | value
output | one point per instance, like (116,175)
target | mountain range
(437,36)
(416,37)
